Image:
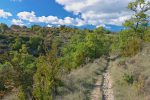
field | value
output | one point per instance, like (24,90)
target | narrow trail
(107,88)
(103,87)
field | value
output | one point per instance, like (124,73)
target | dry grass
(80,83)
(139,67)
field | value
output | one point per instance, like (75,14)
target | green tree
(46,78)
(35,44)
(100,30)
(35,28)
(17,44)
(15,27)
(3,27)
(83,46)
(24,67)
(129,40)
(6,73)
(147,35)
(139,21)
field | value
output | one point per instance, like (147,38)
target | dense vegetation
(38,56)
(35,59)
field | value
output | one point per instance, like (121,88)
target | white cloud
(99,12)
(31,17)
(4,14)
(17,22)
(76,5)
(28,16)
(49,19)
(89,12)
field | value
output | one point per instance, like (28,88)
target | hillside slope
(131,76)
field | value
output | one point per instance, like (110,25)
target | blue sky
(41,7)
(76,13)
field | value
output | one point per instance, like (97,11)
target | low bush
(147,36)
(2,86)
(132,47)
(128,78)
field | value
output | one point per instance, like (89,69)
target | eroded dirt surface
(103,87)
(107,86)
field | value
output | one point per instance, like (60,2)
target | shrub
(21,95)
(128,78)
(147,36)
(2,86)
(132,47)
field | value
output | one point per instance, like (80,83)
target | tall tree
(139,21)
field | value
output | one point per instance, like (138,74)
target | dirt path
(103,87)
(107,87)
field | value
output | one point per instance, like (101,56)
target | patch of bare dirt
(107,87)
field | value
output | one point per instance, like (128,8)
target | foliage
(15,27)
(3,27)
(35,63)
(2,86)
(35,44)
(128,78)
(35,27)
(46,77)
(24,67)
(132,47)
(139,21)
(83,46)
(147,35)
(42,82)
(6,72)
(129,41)
(17,44)
(21,95)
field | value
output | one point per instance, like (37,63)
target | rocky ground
(103,87)
(107,86)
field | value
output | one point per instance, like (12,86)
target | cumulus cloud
(88,12)
(28,16)
(31,17)
(76,6)
(4,14)
(17,22)
(99,12)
